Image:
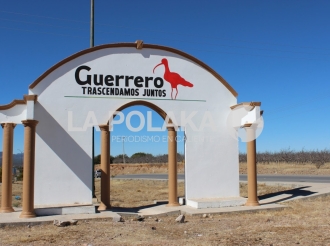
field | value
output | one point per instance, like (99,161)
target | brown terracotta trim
(104,127)
(161,112)
(170,128)
(31,98)
(139,44)
(247,125)
(12,104)
(247,104)
(30,123)
(19,101)
(134,45)
(4,124)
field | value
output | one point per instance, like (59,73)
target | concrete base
(182,201)
(216,202)
(175,204)
(65,210)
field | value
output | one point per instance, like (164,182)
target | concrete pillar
(28,168)
(172,168)
(251,166)
(7,166)
(105,168)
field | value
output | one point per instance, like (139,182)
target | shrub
(20,174)
(97,159)
(146,158)
(139,154)
(316,157)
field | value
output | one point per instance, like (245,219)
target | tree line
(316,157)
(139,157)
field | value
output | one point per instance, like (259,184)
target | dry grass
(136,193)
(17,191)
(119,169)
(271,168)
(305,222)
(122,191)
(288,168)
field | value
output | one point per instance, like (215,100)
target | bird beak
(157,66)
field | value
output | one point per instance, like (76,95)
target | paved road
(242,177)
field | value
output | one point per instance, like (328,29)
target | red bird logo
(173,78)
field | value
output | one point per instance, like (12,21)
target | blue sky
(276,52)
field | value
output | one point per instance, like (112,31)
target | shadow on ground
(133,209)
(297,192)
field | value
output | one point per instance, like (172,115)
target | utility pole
(123,140)
(21,156)
(14,169)
(93,129)
(92,25)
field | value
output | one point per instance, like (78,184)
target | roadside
(288,169)
(270,168)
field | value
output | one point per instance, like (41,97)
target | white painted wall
(63,157)
(13,115)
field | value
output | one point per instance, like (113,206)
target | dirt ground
(305,222)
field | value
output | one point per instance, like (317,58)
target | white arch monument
(87,89)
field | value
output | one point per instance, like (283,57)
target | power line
(233,53)
(26,30)
(165,32)
(194,49)
(41,16)
(43,24)
(256,55)
(175,40)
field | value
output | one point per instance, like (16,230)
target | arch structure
(87,88)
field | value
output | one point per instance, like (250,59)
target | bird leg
(176,92)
